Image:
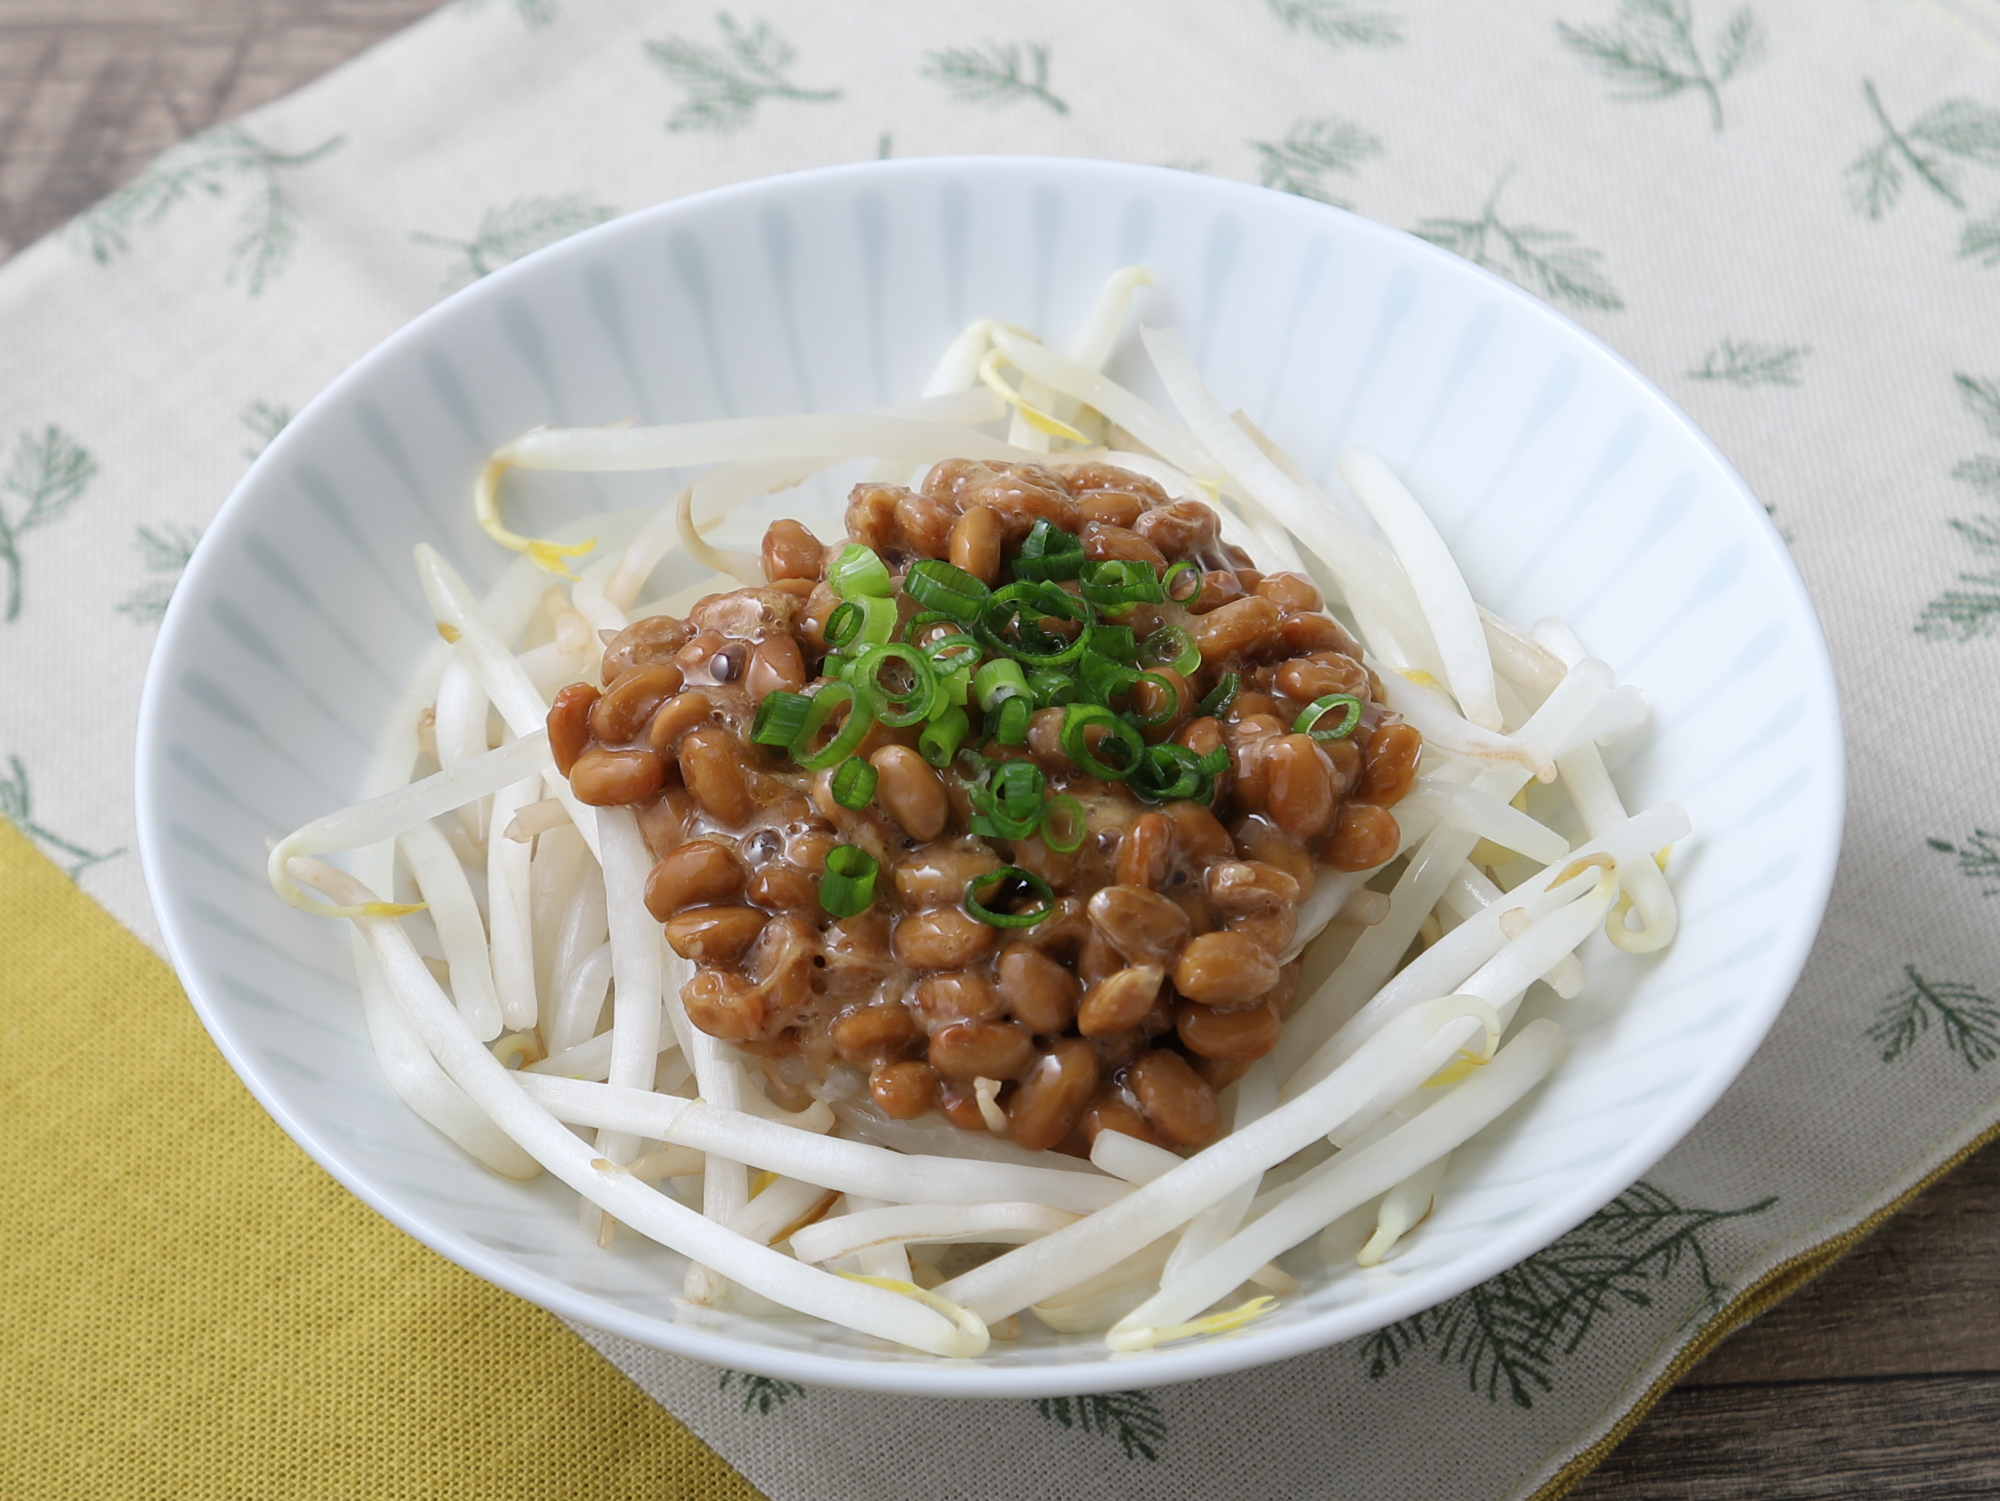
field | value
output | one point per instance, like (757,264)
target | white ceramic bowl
(1566,482)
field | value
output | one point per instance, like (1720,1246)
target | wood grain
(90,90)
(1879,1379)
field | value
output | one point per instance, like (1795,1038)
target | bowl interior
(1566,484)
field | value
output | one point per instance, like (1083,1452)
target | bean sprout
(561,1039)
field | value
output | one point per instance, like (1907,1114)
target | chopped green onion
(945,589)
(1012,728)
(940,739)
(1172,581)
(1016,788)
(1000,826)
(1166,712)
(780,717)
(878,620)
(901,708)
(1170,646)
(1009,624)
(949,653)
(997,681)
(1063,825)
(858,573)
(1052,688)
(1005,876)
(1215,763)
(1310,716)
(1078,718)
(1168,773)
(1216,702)
(954,687)
(848,887)
(843,625)
(1104,678)
(860,703)
(854,784)
(1049,552)
(1115,584)
(1115,642)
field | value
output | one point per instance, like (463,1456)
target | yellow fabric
(190,1308)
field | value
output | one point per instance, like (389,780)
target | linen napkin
(1786,212)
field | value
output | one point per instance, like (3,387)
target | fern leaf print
(17,806)
(1340,23)
(725,84)
(996,74)
(1745,362)
(1654,49)
(514,230)
(1967,1021)
(1311,152)
(1929,151)
(1548,261)
(1511,1333)
(206,164)
(1132,1419)
(1969,612)
(46,475)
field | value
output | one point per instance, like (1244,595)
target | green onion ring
(854,784)
(1116,584)
(1040,601)
(898,709)
(860,719)
(1172,578)
(1069,838)
(945,589)
(1033,882)
(843,625)
(848,887)
(1218,699)
(780,716)
(1320,707)
(1012,728)
(1017,788)
(1162,716)
(941,737)
(858,571)
(1079,717)
(1170,646)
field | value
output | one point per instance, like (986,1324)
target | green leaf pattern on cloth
(163,552)
(1963,129)
(1340,23)
(17,806)
(725,84)
(1746,362)
(265,421)
(1968,1022)
(1978,858)
(996,73)
(1962,614)
(1821,263)
(512,231)
(1654,50)
(1508,1334)
(46,475)
(764,1393)
(1132,1418)
(1548,261)
(1311,149)
(207,164)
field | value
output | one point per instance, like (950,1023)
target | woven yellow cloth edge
(193,1309)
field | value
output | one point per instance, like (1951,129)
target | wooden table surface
(1881,1379)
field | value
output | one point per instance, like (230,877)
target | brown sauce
(1155,978)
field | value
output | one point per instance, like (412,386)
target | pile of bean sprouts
(525,1004)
